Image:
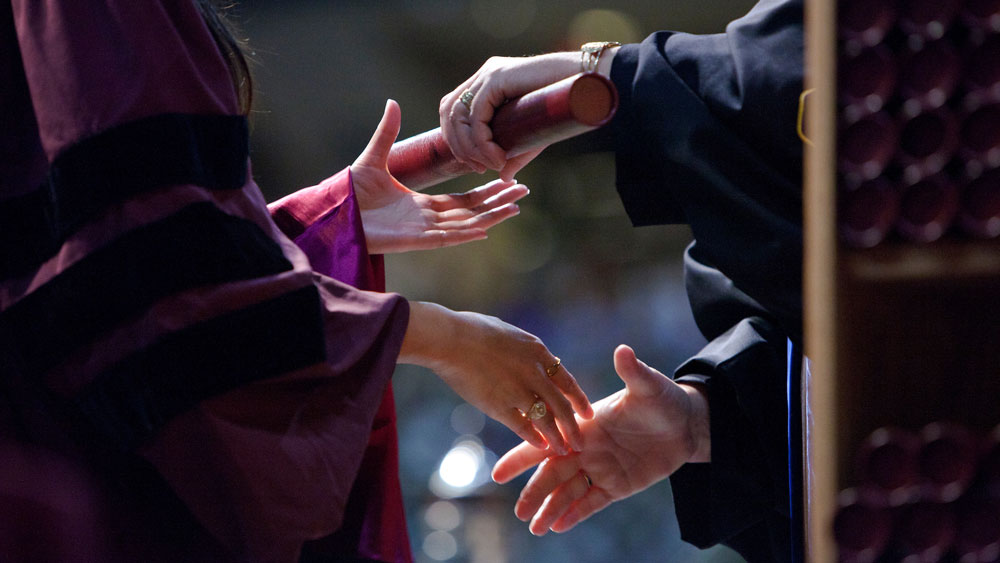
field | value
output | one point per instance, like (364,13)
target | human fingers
(488,97)
(591,503)
(519,459)
(515,164)
(515,419)
(565,495)
(376,153)
(456,125)
(639,378)
(447,105)
(543,416)
(483,220)
(564,380)
(466,125)
(551,473)
(562,416)
(442,235)
(495,193)
(443,238)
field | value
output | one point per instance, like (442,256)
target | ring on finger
(554,368)
(537,410)
(466,99)
(586,477)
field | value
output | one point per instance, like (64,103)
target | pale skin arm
(499,369)
(397,219)
(638,437)
(501,78)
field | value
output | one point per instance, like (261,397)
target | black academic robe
(706,135)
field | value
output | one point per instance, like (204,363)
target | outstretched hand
(397,219)
(638,436)
(505,372)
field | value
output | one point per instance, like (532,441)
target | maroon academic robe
(177,382)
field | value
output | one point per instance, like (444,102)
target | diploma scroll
(561,110)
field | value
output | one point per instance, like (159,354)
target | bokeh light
(443,515)
(602,25)
(440,546)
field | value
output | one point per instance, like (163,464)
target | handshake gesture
(637,437)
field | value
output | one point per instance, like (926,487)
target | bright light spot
(460,466)
(443,515)
(463,470)
(440,546)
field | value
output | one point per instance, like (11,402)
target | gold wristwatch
(590,53)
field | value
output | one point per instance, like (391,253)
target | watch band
(590,53)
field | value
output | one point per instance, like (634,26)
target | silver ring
(537,410)
(466,99)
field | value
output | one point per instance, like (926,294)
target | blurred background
(570,268)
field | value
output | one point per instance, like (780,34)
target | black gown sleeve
(706,135)
(740,498)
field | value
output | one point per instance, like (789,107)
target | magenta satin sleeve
(325,222)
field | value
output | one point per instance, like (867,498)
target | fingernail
(517,513)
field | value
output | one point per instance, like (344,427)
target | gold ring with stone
(466,99)
(554,368)
(537,410)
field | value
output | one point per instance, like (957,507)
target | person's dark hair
(233,49)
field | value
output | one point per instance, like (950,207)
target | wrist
(596,56)
(604,65)
(428,325)
(698,425)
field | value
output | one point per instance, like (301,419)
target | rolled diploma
(561,110)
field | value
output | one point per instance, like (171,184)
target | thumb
(377,152)
(639,378)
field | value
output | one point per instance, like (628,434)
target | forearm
(429,322)
(567,63)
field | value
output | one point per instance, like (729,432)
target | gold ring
(537,410)
(466,99)
(554,368)
(589,482)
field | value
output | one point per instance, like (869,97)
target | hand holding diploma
(520,128)
(468,111)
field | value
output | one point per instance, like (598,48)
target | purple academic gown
(179,380)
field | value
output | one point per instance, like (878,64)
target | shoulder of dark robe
(706,135)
